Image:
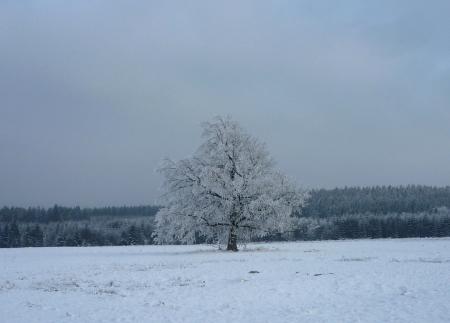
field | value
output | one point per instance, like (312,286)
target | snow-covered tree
(227,192)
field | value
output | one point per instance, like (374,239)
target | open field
(404,280)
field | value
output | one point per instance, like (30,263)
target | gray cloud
(93,94)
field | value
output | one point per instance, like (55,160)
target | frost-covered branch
(228,190)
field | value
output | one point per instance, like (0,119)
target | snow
(403,280)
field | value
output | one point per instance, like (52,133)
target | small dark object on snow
(315,275)
(253,272)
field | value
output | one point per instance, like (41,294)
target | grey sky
(93,94)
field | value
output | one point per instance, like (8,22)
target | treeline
(105,231)
(375,212)
(65,226)
(435,223)
(376,200)
(61,214)
(346,213)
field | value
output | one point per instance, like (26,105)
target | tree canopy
(228,191)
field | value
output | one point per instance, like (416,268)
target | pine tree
(38,236)
(13,236)
(4,236)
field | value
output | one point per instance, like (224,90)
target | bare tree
(227,192)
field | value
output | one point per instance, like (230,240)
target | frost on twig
(228,192)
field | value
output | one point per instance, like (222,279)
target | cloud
(93,95)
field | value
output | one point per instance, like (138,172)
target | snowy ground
(335,281)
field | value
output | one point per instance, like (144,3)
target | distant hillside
(377,200)
(341,213)
(60,213)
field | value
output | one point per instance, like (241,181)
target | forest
(341,213)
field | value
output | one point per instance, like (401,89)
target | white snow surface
(403,280)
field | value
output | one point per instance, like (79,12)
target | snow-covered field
(334,281)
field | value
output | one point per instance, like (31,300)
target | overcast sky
(93,94)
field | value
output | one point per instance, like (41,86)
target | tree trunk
(232,240)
